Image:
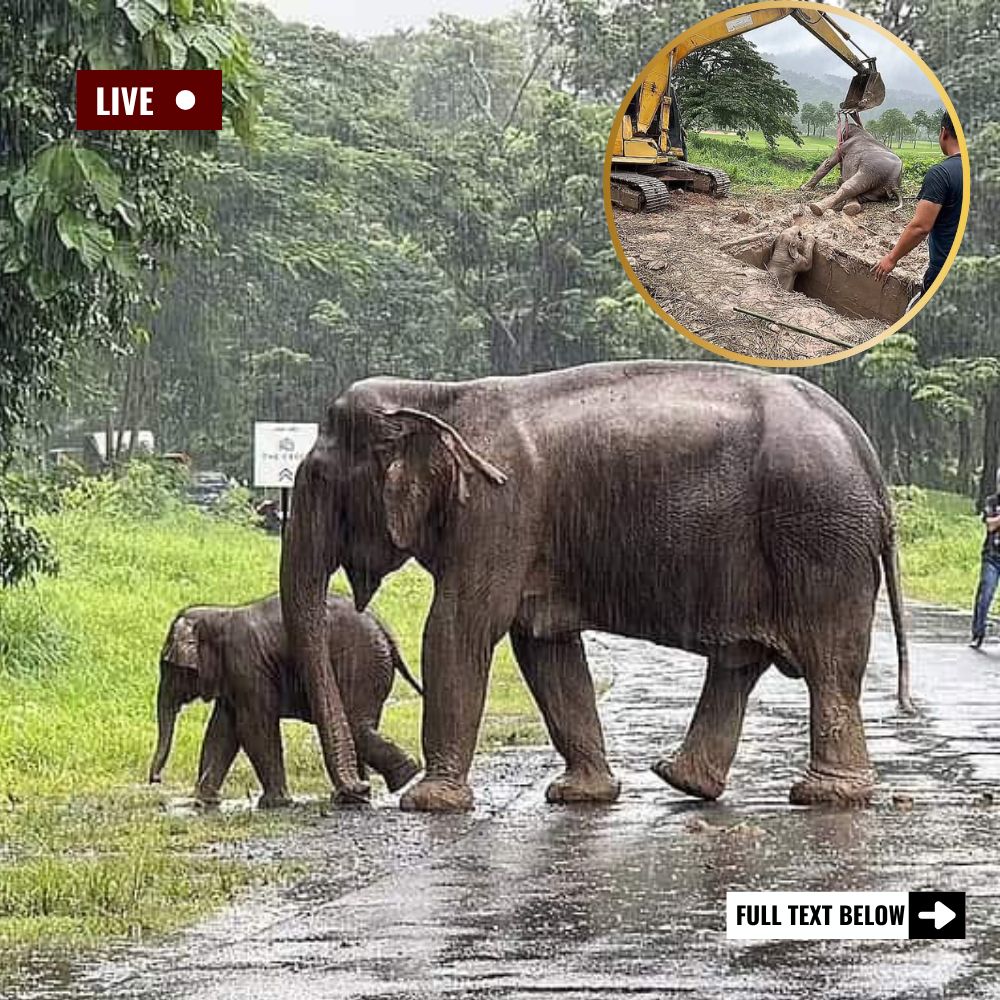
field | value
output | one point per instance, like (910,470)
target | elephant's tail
(890,564)
(399,664)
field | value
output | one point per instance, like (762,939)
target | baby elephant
(238,658)
(792,254)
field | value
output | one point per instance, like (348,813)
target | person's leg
(989,577)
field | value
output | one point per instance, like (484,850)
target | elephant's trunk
(167,707)
(307,562)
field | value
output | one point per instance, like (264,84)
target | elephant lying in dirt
(869,171)
(238,657)
(792,255)
(736,514)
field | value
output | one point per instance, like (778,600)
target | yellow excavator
(650,154)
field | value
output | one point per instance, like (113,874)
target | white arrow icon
(941,915)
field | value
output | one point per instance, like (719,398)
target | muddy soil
(700,257)
(525,900)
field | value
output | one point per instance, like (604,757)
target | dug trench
(702,259)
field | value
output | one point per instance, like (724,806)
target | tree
(923,123)
(808,116)
(730,86)
(826,115)
(82,213)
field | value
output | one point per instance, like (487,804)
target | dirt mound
(702,258)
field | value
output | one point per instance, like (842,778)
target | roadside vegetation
(751,163)
(88,851)
(942,537)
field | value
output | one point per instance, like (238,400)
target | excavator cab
(866,91)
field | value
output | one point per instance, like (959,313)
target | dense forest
(428,204)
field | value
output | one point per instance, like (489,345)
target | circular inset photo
(786,184)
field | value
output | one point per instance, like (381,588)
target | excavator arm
(866,90)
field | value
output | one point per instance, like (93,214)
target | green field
(87,850)
(752,165)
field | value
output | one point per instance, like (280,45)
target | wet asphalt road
(522,899)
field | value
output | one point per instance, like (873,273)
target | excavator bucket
(866,91)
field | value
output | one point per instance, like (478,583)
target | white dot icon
(184,100)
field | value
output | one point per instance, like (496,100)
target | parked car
(207,488)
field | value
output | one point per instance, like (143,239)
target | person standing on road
(989,575)
(939,208)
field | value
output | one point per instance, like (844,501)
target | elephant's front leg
(457,648)
(259,734)
(702,764)
(840,771)
(218,751)
(556,671)
(822,170)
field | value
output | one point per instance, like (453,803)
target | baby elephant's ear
(182,645)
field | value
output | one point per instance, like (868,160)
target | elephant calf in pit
(238,657)
(791,256)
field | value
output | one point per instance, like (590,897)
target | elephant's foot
(267,801)
(437,795)
(597,787)
(207,802)
(846,790)
(357,794)
(817,209)
(852,208)
(402,774)
(690,774)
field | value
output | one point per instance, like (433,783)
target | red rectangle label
(149,99)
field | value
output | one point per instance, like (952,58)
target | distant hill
(813,90)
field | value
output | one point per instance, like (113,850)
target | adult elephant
(728,512)
(869,171)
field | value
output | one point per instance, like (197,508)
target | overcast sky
(895,65)
(362,18)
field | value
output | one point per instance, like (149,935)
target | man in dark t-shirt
(989,576)
(939,207)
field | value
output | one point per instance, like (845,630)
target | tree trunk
(963,474)
(991,443)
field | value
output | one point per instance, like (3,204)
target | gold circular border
(826,358)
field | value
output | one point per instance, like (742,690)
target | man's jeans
(988,580)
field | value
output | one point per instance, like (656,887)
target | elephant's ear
(194,646)
(432,462)
(181,649)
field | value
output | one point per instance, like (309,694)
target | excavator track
(719,179)
(638,192)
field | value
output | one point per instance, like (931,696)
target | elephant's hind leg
(702,764)
(840,771)
(556,671)
(393,763)
(850,190)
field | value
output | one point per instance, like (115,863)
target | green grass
(87,850)
(750,164)
(942,538)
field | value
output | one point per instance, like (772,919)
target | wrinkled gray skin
(739,515)
(869,171)
(238,658)
(791,255)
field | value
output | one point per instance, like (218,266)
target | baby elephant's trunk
(167,708)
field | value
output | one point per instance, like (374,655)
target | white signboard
(278,449)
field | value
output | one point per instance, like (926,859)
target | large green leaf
(173,44)
(182,8)
(102,179)
(141,14)
(92,241)
(57,167)
(123,262)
